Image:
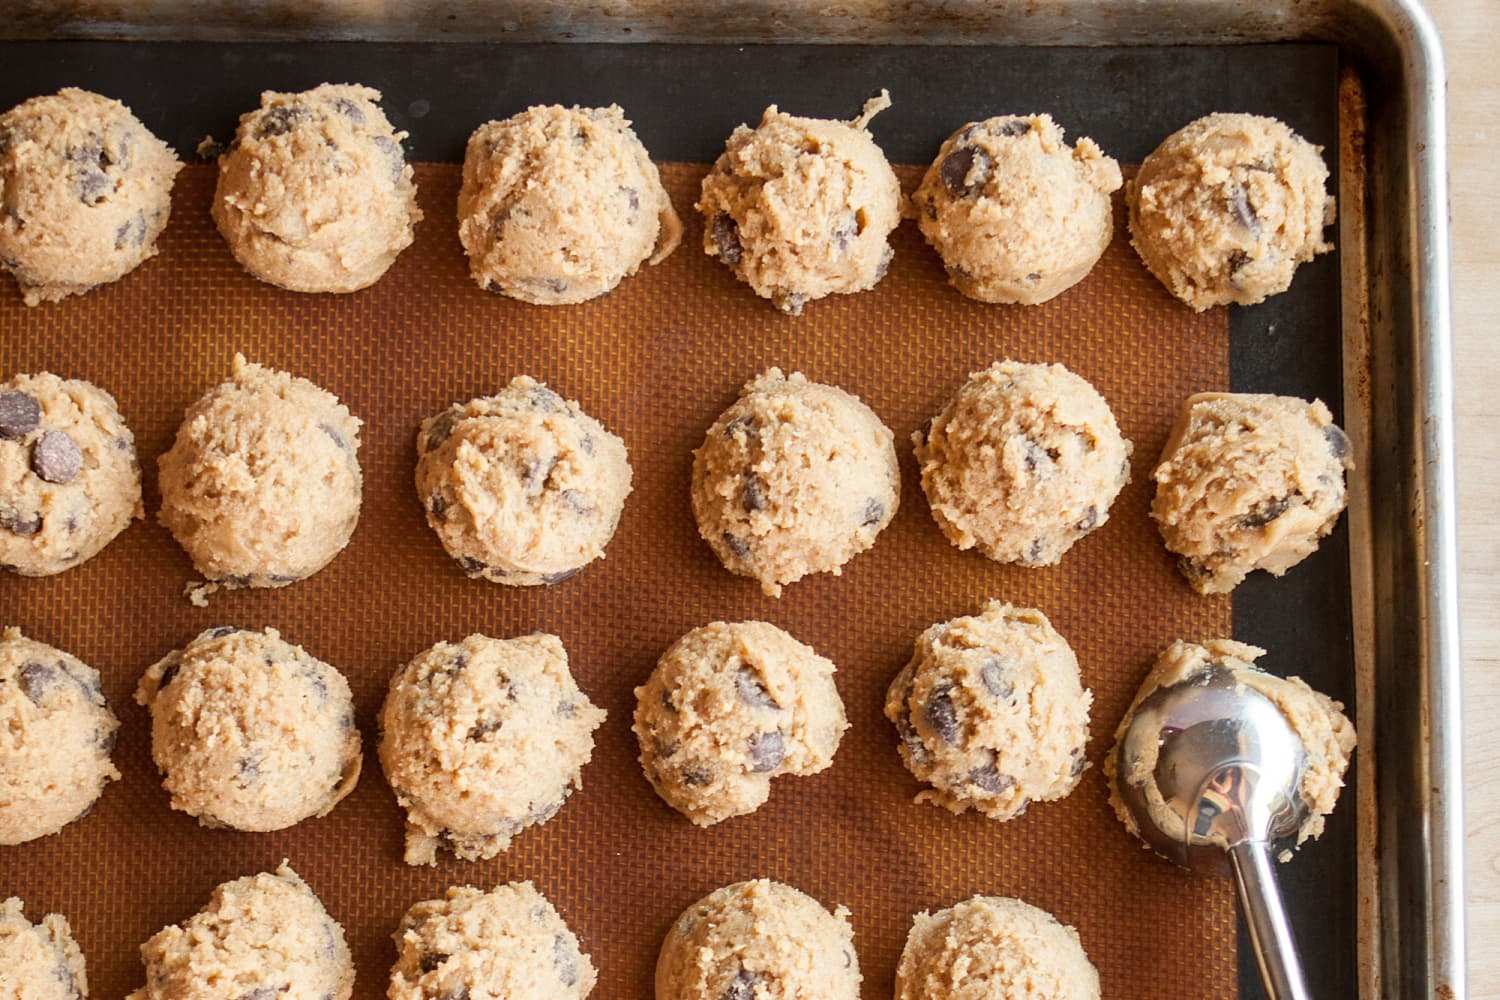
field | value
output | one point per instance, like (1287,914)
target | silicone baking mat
(656,361)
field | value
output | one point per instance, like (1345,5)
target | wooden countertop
(1469,28)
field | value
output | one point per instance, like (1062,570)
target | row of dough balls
(746,940)
(558,205)
(252,733)
(262,486)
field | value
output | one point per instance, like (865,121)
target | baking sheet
(656,361)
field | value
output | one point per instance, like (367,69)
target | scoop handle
(1270,932)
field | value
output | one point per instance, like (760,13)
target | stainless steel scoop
(1227,780)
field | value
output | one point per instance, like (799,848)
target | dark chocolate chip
(746,425)
(847,229)
(959,165)
(565,957)
(988,777)
(220,632)
(738,546)
(909,736)
(1036,455)
(544,398)
(441,427)
(281,120)
(1080,762)
(1034,276)
(553,578)
(633,196)
(437,506)
(20,414)
(1011,127)
(392,150)
(790,303)
(262,993)
(587,444)
(471,565)
(566,709)
(874,512)
(1243,211)
(741,988)
(1193,569)
(1035,552)
(941,714)
(132,232)
(726,236)
(696,774)
(1237,261)
(56,458)
(168,674)
(334,433)
(767,751)
(17,523)
(666,747)
(1266,511)
(752,690)
(885,262)
(430,961)
(483,729)
(37,678)
(349,110)
(1338,441)
(1089,520)
(555,285)
(576,502)
(754,497)
(248,768)
(666,701)
(995,681)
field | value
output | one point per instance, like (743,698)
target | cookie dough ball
(522,487)
(758,939)
(991,946)
(1248,482)
(39,961)
(85,190)
(800,208)
(509,942)
(1022,462)
(264,935)
(262,486)
(250,732)
(558,204)
(728,708)
(481,739)
(314,193)
(56,735)
(1317,720)
(991,712)
(795,478)
(1225,209)
(1015,214)
(69,478)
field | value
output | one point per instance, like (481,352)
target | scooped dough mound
(523,487)
(482,739)
(1022,462)
(559,204)
(755,940)
(509,942)
(314,192)
(262,486)
(994,948)
(1016,215)
(1248,482)
(85,190)
(56,737)
(728,708)
(1226,208)
(1317,719)
(69,478)
(991,712)
(259,937)
(795,478)
(39,961)
(800,208)
(249,731)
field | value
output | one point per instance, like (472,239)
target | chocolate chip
(847,229)
(248,768)
(554,285)
(462,993)
(754,497)
(220,632)
(1089,520)
(666,701)
(565,957)
(576,502)
(20,414)
(941,714)
(437,506)
(633,196)
(587,444)
(36,678)
(483,729)
(56,458)
(1193,569)
(430,961)
(263,993)
(738,546)
(696,774)
(993,676)
(789,302)
(544,398)
(959,165)
(874,513)
(1035,552)
(1034,276)
(1338,441)
(168,674)
(1011,127)
(1238,259)
(666,747)
(334,433)
(1080,762)
(552,578)
(1243,211)
(741,988)
(1266,511)
(132,232)
(566,709)
(988,777)
(349,110)
(745,425)
(726,236)
(281,120)
(17,523)
(472,565)
(441,427)
(752,690)
(908,733)
(1036,455)
(392,150)
(767,751)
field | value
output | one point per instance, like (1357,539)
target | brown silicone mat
(655,361)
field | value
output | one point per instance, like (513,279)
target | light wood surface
(1469,29)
